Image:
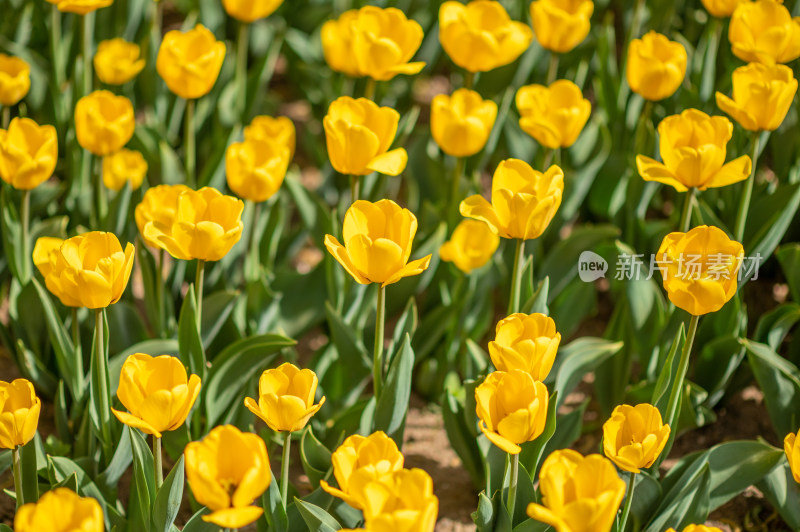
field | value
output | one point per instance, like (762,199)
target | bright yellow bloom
(45,253)
(255,169)
(527,342)
(697,528)
(400,502)
(286,397)
(791,446)
(693,147)
(471,246)
(124,166)
(700,268)
(377,243)
(634,436)
(561,25)
(359,460)
(28,153)
(512,408)
(765,32)
(117,61)
(91,270)
(250,10)
(461,123)
(656,66)
(579,494)
(762,95)
(279,130)
(359,133)
(523,200)
(160,206)
(19,413)
(104,122)
(338,40)
(227,470)
(206,226)
(60,510)
(156,392)
(80,7)
(480,36)
(553,115)
(189,62)
(15,79)
(722,8)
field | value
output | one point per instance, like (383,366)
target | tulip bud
(791,446)
(762,95)
(160,206)
(28,153)
(472,245)
(279,130)
(250,10)
(553,115)
(561,26)
(60,510)
(403,500)
(527,342)
(80,7)
(656,66)
(189,62)
(764,32)
(255,169)
(15,79)
(722,8)
(104,123)
(634,436)
(122,167)
(19,413)
(461,123)
(117,61)
(286,398)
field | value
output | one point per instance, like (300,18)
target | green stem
(369,90)
(377,352)
(160,293)
(189,151)
(25,218)
(744,202)
(455,193)
(6,116)
(76,342)
(469,79)
(155,28)
(241,68)
(513,465)
(198,287)
(686,215)
(354,183)
(88,35)
(17,465)
(683,365)
(287,444)
(56,45)
(516,279)
(548,158)
(101,363)
(552,68)
(158,470)
(626,510)
(254,255)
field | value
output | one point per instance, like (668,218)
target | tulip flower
(338,38)
(403,500)
(117,61)
(471,246)
(765,32)
(579,494)
(15,80)
(526,342)
(656,66)
(28,153)
(227,470)
(791,446)
(159,206)
(480,36)
(60,510)
(762,95)
(553,115)
(45,253)
(634,436)
(189,62)
(250,10)
(19,418)
(722,8)
(81,7)
(697,528)
(561,26)
(124,166)
(104,122)
(255,169)
(461,123)
(279,130)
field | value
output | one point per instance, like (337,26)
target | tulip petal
(391,163)
(733,172)
(504,444)
(415,267)
(234,518)
(544,515)
(135,422)
(745,119)
(652,170)
(340,254)
(478,208)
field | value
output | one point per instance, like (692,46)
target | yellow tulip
(700,268)
(160,206)
(189,62)
(561,25)
(255,169)
(227,471)
(472,245)
(697,528)
(45,253)
(60,510)
(28,153)
(104,122)
(722,8)
(480,36)
(400,502)
(656,66)
(279,130)
(117,61)
(250,10)
(81,7)
(765,32)
(122,167)
(19,413)
(524,200)
(206,226)
(359,133)
(91,270)
(15,79)
(527,342)
(762,95)
(579,494)
(361,459)
(461,123)
(693,147)
(634,436)
(286,398)
(338,41)
(553,115)
(377,239)
(791,445)
(512,408)
(156,392)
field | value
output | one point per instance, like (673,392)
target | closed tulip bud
(279,130)
(156,392)
(579,494)
(377,243)
(122,167)
(160,206)
(765,32)
(60,510)
(28,153)
(250,10)
(697,528)
(524,201)
(81,7)
(338,41)
(634,436)
(45,253)
(553,115)
(472,245)
(791,445)
(512,408)
(561,25)
(206,226)
(700,268)
(189,62)
(227,470)
(286,398)
(15,79)
(461,123)
(117,61)
(403,501)
(722,8)
(19,413)
(255,169)
(693,147)
(762,95)
(358,134)
(480,36)
(527,342)
(104,122)
(656,66)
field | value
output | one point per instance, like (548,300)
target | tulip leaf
(576,359)
(461,438)
(274,511)
(532,451)
(217,307)
(197,524)
(190,346)
(30,477)
(392,406)
(59,468)
(687,503)
(143,489)
(782,379)
(770,217)
(317,519)
(788,256)
(120,461)
(168,499)
(316,458)
(774,326)
(782,492)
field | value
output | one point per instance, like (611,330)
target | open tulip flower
(402,501)
(279,130)
(722,8)
(19,413)
(255,169)
(656,66)
(286,398)
(60,510)
(461,123)
(471,246)
(250,10)
(762,95)
(791,446)
(124,166)
(527,342)
(15,79)
(697,528)
(28,153)
(117,61)
(553,115)
(160,206)
(189,62)
(765,32)
(634,436)
(561,25)
(104,122)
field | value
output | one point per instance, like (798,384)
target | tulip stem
(377,362)
(253,256)
(241,68)
(287,445)
(104,393)
(683,365)
(25,219)
(160,293)
(548,158)
(686,215)
(469,79)
(17,465)
(516,278)
(189,147)
(353,189)
(6,116)
(552,68)
(198,286)
(456,192)
(626,510)
(369,90)
(55,45)
(513,465)
(157,468)
(744,202)
(88,34)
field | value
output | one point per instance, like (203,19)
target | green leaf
(461,438)
(789,258)
(351,350)
(782,379)
(168,499)
(143,489)
(392,407)
(273,508)
(190,346)
(532,451)
(217,307)
(661,392)
(782,492)
(774,326)
(317,519)
(687,503)
(577,359)
(196,523)
(316,458)
(30,477)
